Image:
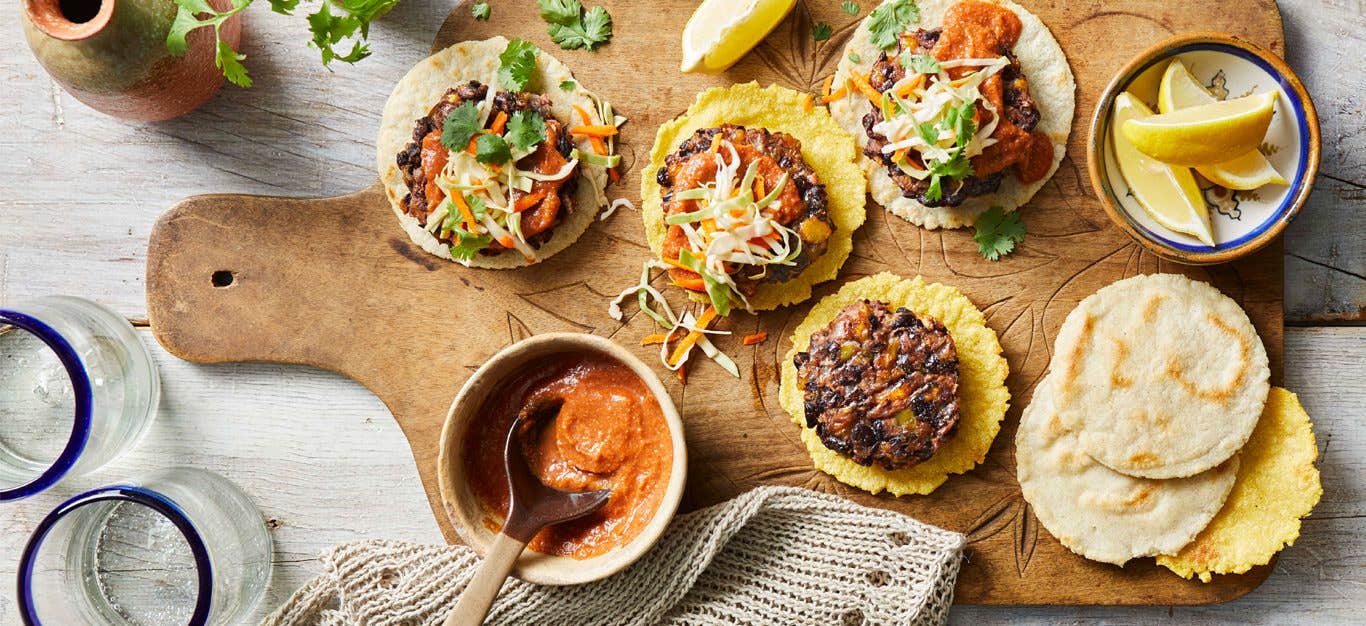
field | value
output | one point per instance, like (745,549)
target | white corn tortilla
(1161,375)
(1102,514)
(1050,85)
(414,96)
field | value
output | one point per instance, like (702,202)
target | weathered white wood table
(81,191)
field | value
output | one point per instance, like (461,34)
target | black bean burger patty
(881,386)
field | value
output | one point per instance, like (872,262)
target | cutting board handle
(255,278)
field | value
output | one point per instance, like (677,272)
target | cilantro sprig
(850,7)
(572,27)
(957,167)
(997,232)
(525,129)
(516,64)
(890,19)
(480,11)
(460,126)
(335,24)
(920,63)
(821,31)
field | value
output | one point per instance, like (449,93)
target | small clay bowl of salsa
(616,429)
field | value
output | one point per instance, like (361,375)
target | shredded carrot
(688,342)
(758,337)
(465,212)
(839,93)
(583,114)
(808,103)
(860,82)
(506,241)
(473,146)
(829,81)
(759,187)
(595,130)
(525,202)
(692,284)
(913,85)
(654,340)
(899,155)
(499,123)
(612,174)
(715,144)
(683,375)
(677,264)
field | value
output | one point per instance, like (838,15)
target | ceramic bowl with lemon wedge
(1204,147)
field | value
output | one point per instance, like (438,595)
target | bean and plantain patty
(881,386)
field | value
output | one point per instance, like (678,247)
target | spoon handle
(479,594)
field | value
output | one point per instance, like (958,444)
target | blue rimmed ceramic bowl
(1242,221)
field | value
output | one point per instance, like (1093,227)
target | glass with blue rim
(77,389)
(180,546)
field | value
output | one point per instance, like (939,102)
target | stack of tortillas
(1156,433)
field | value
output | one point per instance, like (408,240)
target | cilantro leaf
(890,19)
(284,7)
(821,31)
(186,20)
(518,61)
(492,150)
(467,244)
(568,85)
(230,62)
(525,129)
(850,7)
(571,27)
(461,124)
(560,11)
(929,133)
(480,11)
(997,232)
(920,63)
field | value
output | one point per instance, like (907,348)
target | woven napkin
(775,555)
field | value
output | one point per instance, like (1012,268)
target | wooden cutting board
(334,283)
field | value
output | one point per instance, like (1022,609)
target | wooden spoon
(531,507)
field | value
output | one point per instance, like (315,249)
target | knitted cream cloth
(775,555)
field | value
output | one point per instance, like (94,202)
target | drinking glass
(180,546)
(77,389)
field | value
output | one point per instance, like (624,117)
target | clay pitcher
(111,55)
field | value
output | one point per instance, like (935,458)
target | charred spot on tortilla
(425,157)
(880,386)
(795,221)
(972,32)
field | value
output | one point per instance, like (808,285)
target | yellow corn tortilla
(1277,485)
(825,147)
(982,395)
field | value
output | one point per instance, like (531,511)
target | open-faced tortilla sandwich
(958,106)
(750,198)
(492,155)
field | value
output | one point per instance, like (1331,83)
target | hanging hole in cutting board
(223,279)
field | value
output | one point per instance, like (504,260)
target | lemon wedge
(1169,194)
(1179,90)
(720,32)
(1206,134)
